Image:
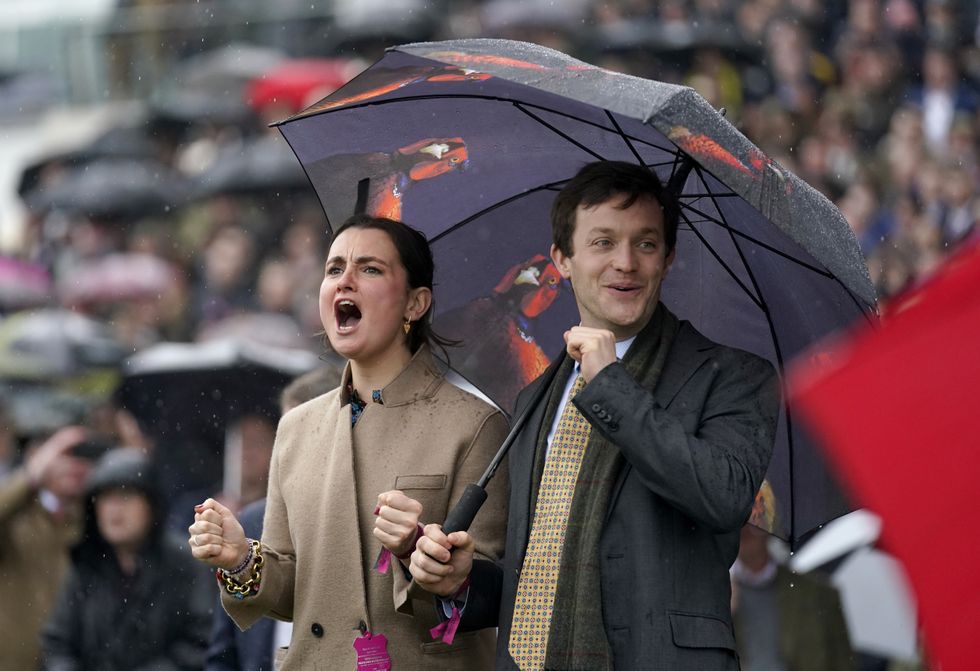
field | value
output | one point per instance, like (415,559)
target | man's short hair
(598,182)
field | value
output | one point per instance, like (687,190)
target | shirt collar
(418,380)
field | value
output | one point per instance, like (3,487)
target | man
(625,504)
(785,620)
(40,518)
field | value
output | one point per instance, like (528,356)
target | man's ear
(561,262)
(419,300)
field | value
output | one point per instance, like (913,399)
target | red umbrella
(898,414)
(297,83)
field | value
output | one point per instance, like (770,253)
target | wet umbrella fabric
(116,278)
(23,284)
(52,344)
(250,166)
(112,189)
(188,395)
(469,140)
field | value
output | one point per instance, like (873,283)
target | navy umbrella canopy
(469,141)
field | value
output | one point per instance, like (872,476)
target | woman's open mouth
(347,315)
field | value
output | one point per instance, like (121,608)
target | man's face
(618,262)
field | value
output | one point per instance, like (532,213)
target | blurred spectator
(133,599)
(784,621)
(253,650)
(40,518)
(257,434)
(224,285)
(941,96)
(8,442)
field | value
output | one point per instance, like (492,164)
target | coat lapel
(523,452)
(339,502)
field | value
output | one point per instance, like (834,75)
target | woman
(357,469)
(129,578)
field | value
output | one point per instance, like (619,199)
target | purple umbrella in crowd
(469,141)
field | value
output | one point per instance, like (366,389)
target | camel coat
(427,438)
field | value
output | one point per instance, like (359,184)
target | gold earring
(407,326)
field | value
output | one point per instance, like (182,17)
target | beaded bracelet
(250,586)
(245,562)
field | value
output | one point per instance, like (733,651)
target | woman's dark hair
(600,181)
(416,256)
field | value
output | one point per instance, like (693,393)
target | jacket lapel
(522,456)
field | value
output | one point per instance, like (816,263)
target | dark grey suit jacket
(696,449)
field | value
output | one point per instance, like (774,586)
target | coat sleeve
(278,582)
(15,494)
(60,636)
(490,525)
(710,473)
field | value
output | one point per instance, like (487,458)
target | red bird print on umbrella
(390,174)
(498,330)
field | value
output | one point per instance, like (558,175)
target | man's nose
(624,259)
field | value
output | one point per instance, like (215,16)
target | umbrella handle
(461,516)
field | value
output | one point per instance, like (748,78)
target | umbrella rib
(639,159)
(558,132)
(789,257)
(779,361)
(500,203)
(766,246)
(721,262)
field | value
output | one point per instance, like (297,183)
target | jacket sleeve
(490,525)
(60,636)
(15,493)
(712,473)
(483,598)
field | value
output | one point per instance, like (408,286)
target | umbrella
(895,409)
(188,396)
(118,142)
(209,87)
(53,344)
(111,189)
(248,166)
(23,284)
(117,277)
(469,140)
(294,84)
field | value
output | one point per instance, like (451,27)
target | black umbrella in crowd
(263,164)
(112,189)
(469,140)
(188,396)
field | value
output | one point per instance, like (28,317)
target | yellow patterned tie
(538,582)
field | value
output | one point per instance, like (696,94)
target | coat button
(595,407)
(317,629)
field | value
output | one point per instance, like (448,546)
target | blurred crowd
(186,218)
